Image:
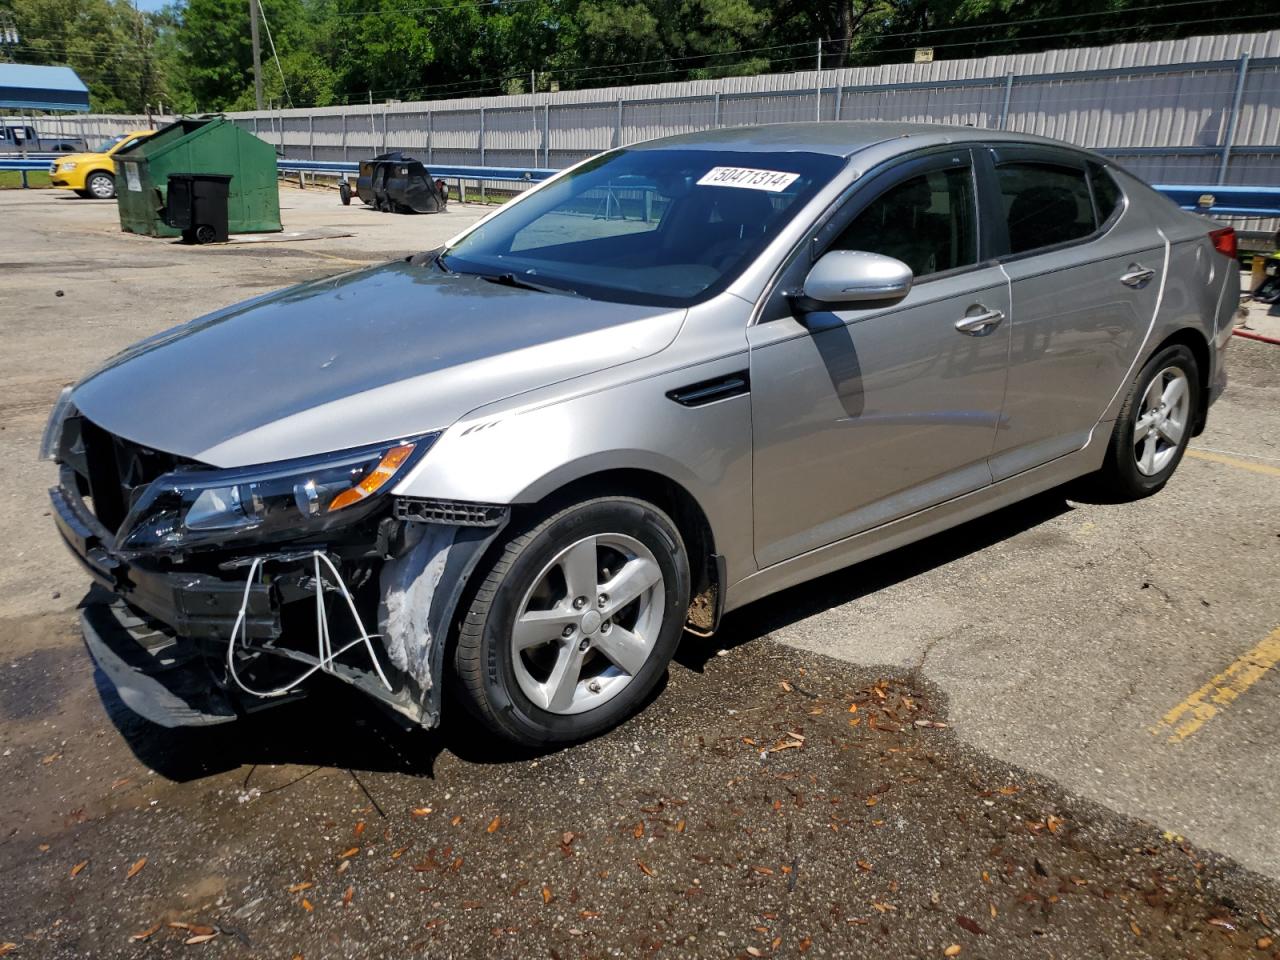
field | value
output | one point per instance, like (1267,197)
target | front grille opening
(112,472)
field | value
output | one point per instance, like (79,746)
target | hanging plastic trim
(325,654)
(409,583)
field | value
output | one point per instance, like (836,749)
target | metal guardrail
(509,174)
(25,163)
(1224,201)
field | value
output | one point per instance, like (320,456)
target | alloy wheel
(588,624)
(102,186)
(1162,420)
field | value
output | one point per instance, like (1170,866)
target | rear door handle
(1137,275)
(979,323)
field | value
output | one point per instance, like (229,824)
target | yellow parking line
(1263,468)
(1220,692)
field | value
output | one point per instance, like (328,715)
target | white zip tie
(325,652)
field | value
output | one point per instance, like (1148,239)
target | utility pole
(817,85)
(257,53)
(145,77)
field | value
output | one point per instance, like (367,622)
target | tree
(107,42)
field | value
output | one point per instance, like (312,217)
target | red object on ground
(1250,335)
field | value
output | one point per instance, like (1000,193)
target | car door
(867,414)
(1086,272)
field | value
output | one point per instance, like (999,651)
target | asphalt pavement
(1048,733)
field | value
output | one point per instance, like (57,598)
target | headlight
(297,498)
(67,167)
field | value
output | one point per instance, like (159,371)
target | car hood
(363,357)
(79,158)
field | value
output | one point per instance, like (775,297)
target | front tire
(1154,426)
(101,186)
(574,625)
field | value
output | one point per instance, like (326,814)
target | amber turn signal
(375,479)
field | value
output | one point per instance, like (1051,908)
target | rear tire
(545,656)
(1154,426)
(101,186)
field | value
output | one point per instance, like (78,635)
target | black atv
(395,183)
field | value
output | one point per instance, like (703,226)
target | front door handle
(979,324)
(1137,275)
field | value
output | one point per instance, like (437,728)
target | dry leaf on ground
(75,871)
(136,868)
(146,934)
(493,826)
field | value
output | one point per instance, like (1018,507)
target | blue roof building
(26,87)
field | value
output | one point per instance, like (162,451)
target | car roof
(839,138)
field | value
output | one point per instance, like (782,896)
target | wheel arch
(706,567)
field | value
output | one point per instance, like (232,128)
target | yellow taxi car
(93,174)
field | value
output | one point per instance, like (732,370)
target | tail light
(1224,241)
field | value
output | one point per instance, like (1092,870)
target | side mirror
(853,276)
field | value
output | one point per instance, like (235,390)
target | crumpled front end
(225,591)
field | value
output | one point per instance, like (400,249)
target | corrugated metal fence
(1198,110)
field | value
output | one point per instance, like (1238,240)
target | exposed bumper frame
(161,669)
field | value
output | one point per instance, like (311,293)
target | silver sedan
(669,381)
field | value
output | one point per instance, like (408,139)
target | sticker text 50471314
(745,178)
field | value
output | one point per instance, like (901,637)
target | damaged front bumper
(162,633)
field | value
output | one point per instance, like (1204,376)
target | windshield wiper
(511,280)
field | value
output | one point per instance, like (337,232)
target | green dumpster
(198,145)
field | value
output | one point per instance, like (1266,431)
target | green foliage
(196,54)
(106,42)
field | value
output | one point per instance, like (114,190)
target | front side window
(928,222)
(128,144)
(663,227)
(1044,205)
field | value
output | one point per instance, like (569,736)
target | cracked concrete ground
(747,812)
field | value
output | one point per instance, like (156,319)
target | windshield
(666,227)
(106,145)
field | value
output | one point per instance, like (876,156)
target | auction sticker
(745,178)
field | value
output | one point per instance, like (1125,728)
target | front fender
(513,456)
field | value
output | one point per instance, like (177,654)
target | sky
(150,4)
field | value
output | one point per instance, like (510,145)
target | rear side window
(1044,205)
(1106,194)
(927,222)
